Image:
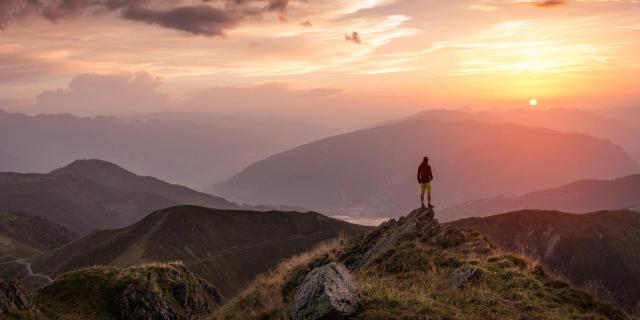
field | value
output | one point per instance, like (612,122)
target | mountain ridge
(597,248)
(227,247)
(581,196)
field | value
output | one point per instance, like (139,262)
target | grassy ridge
(411,278)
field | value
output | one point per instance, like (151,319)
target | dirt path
(27,266)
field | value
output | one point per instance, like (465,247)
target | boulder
(464,276)
(327,292)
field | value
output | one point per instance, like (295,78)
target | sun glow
(533,102)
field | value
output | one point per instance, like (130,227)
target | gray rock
(327,292)
(143,300)
(419,224)
(464,276)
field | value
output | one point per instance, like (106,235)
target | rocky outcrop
(15,298)
(464,276)
(327,292)
(158,291)
(419,224)
(144,299)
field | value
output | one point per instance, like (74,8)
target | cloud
(200,20)
(204,17)
(483,7)
(353,37)
(548,3)
(16,68)
(307,24)
(105,94)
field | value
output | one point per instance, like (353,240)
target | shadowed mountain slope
(226,247)
(578,197)
(600,247)
(113,176)
(23,236)
(93,194)
(372,172)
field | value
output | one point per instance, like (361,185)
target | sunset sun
(533,102)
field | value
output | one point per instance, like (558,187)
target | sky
(382,57)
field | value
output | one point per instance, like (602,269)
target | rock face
(15,298)
(146,292)
(327,292)
(143,298)
(418,224)
(464,276)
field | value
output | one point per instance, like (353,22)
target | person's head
(425,159)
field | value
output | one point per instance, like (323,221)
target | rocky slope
(226,247)
(578,197)
(155,291)
(596,250)
(337,174)
(413,268)
(88,195)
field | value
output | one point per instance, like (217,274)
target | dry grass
(267,296)
(411,280)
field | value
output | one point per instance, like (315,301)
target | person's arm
(430,174)
(419,169)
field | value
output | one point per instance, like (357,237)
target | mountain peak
(84,166)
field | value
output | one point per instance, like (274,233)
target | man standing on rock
(424,179)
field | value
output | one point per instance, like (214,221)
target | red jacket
(424,173)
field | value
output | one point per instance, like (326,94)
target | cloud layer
(204,17)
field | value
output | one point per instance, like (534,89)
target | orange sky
(407,53)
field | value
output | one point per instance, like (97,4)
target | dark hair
(426,159)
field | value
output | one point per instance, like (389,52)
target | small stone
(464,276)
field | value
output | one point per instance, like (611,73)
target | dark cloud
(202,20)
(353,37)
(548,3)
(183,15)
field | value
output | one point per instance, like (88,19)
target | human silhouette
(425,176)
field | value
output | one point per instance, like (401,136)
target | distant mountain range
(228,248)
(190,149)
(594,249)
(94,194)
(372,172)
(578,197)
(605,125)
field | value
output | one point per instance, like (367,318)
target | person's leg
(422,189)
(429,193)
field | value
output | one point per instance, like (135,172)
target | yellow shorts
(425,187)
